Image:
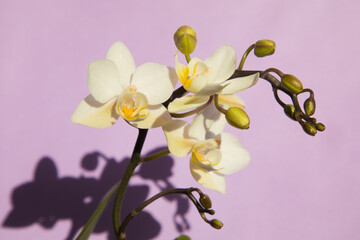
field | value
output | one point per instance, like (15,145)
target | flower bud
(320,127)
(185,39)
(313,120)
(205,201)
(309,106)
(290,111)
(216,224)
(183,237)
(237,117)
(264,48)
(309,128)
(292,83)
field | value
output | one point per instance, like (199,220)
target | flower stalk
(134,161)
(144,97)
(292,88)
(185,191)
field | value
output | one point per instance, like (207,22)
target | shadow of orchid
(48,198)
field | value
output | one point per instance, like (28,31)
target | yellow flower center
(199,68)
(191,76)
(128,112)
(207,154)
(132,105)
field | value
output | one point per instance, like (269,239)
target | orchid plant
(144,97)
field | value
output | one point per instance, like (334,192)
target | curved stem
(277,97)
(155,156)
(176,94)
(216,101)
(275,70)
(241,65)
(186,191)
(187,56)
(135,158)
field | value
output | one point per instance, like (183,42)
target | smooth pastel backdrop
(296,187)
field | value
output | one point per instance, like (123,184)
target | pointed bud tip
(309,128)
(321,127)
(185,39)
(264,48)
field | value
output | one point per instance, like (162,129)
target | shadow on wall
(48,198)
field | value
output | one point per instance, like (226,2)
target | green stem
(155,156)
(275,70)
(242,62)
(187,56)
(186,191)
(216,101)
(134,161)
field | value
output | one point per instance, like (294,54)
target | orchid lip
(132,105)
(207,155)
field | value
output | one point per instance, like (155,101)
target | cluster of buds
(185,40)
(205,206)
(295,87)
(288,84)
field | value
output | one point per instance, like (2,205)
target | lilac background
(296,187)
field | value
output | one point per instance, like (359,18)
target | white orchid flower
(209,77)
(213,154)
(118,88)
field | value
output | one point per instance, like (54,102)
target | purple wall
(296,187)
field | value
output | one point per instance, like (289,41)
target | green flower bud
(237,117)
(320,127)
(290,111)
(309,128)
(313,120)
(185,39)
(292,83)
(183,237)
(264,48)
(309,106)
(216,224)
(205,201)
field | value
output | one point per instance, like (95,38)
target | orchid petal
(207,124)
(94,114)
(196,66)
(179,142)
(156,81)
(124,61)
(240,83)
(197,83)
(187,103)
(234,156)
(222,63)
(231,101)
(208,179)
(193,77)
(212,88)
(103,80)
(157,115)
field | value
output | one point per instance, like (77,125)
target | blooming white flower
(214,153)
(209,77)
(118,88)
